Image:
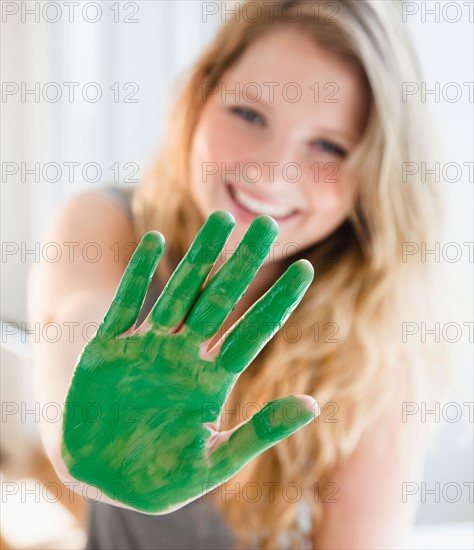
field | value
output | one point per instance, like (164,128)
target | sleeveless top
(199,524)
(196,525)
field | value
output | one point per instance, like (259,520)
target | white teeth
(258,207)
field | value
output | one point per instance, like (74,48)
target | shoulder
(93,237)
(106,207)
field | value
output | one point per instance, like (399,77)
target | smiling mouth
(257,207)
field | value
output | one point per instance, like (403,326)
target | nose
(275,163)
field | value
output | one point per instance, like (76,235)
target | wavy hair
(343,343)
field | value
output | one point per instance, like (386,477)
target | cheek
(331,191)
(222,141)
(214,151)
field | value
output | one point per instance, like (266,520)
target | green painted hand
(142,411)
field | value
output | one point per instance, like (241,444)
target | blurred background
(85,86)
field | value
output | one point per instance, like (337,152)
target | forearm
(53,367)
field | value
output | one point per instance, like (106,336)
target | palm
(142,411)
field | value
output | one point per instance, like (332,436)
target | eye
(247,114)
(330,147)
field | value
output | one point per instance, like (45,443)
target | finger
(133,286)
(228,285)
(184,285)
(266,316)
(275,421)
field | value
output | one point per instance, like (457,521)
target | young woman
(294,111)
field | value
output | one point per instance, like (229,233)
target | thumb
(277,420)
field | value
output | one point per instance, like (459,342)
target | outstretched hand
(142,411)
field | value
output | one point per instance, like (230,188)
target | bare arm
(369,512)
(171,452)
(74,293)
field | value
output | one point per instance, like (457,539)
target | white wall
(446,53)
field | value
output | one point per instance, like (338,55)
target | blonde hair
(362,291)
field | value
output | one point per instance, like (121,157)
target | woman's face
(273,137)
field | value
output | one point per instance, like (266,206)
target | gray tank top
(197,525)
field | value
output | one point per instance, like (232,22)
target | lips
(248,204)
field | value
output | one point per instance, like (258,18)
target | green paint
(142,411)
